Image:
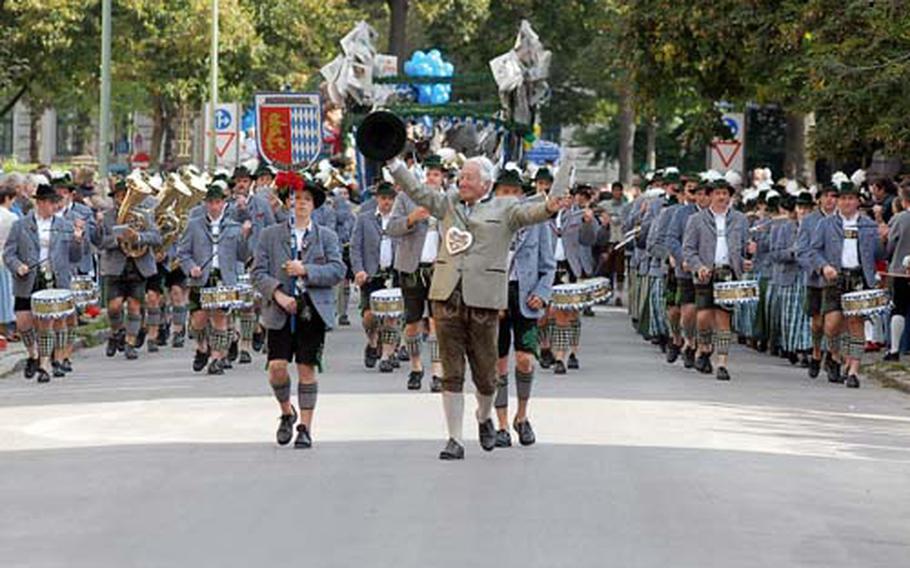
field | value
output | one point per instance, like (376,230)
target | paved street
(638,464)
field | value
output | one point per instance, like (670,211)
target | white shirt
(215,227)
(44,237)
(385,244)
(560,253)
(300,235)
(721,251)
(849,257)
(430,243)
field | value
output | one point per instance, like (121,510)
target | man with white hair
(470,283)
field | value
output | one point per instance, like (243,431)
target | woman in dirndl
(790,283)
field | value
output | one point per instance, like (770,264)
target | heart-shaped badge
(458,241)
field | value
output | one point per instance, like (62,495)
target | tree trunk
(169,135)
(34,134)
(652,144)
(157,131)
(398,27)
(626,136)
(795,146)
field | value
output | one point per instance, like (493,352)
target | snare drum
(220,297)
(53,304)
(387,303)
(244,279)
(865,303)
(600,289)
(570,297)
(85,291)
(730,294)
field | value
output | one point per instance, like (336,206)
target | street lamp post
(213,159)
(104,121)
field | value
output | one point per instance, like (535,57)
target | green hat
(63,181)
(434,162)
(544,174)
(215,190)
(847,188)
(804,199)
(509,177)
(265,170)
(384,188)
(46,192)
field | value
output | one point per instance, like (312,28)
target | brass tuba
(175,201)
(131,212)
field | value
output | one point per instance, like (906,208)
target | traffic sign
(725,155)
(543,152)
(226,132)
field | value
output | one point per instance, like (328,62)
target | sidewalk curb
(9,368)
(891,375)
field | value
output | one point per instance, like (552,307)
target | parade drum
(220,297)
(245,280)
(570,297)
(736,293)
(387,303)
(866,303)
(600,289)
(53,304)
(85,291)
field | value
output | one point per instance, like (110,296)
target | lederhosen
(704,293)
(848,279)
(415,291)
(195,295)
(43,281)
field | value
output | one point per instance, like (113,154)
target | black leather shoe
(793,358)
(703,364)
(233,351)
(722,374)
(559,368)
(140,338)
(393,359)
(573,362)
(130,352)
(804,360)
(179,340)
(662,342)
(436,384)
(226,363)
(153,346)
(487,434)
(57,371)
(546,359)
(814,368)
(688,358)
(414,379)
(403,354)
(588,312)
(164,332)
(216,367)
(525,432)
(892,357)
(672,353)
(200,361)
(303,441)
(245,358)
(111,346)
(121,340)
(370,356)
(833,371)
(66,365)
(852,382)
(452,451)
(385,366)
(503,439)
(43,377)
(31,367)
(258,340)
(343,321)
(286,425)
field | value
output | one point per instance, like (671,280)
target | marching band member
(372,258)
(664,312)
(296,283)
(209,253)
(345,219)
(898,248)
(531,270)
(714,248)
(83,217)
(845,247)
(789,279)
(616,208)
(124,277)
(39,252)
(470,285)
(418,245)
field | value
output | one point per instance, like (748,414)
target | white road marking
(366,417)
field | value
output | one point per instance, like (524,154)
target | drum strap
(523,382)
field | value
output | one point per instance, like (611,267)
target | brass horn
(381,136)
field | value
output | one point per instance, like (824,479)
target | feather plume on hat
(838,179)
(733,178)
(858,178)
(711,176)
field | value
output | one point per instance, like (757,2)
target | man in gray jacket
(531,272)
(210,252)
(39,253)
(418,244)
(298,303)
(714,249)
(898,251)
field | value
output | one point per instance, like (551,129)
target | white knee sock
(484,407)
(453,406)
(897,331)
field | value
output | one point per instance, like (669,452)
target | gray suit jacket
(22,247)
(577,239)
(344,220)
(365,243)
(786,267)
(700,240)
(898,241)
(324,266)
(258,212)
(805,254)
(674,239)
(410,239)
(196,246)
(828,245)
(113,261)
(534,266)
(481,269)
(84,213)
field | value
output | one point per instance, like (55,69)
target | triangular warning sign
(727,150)
(223,141)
